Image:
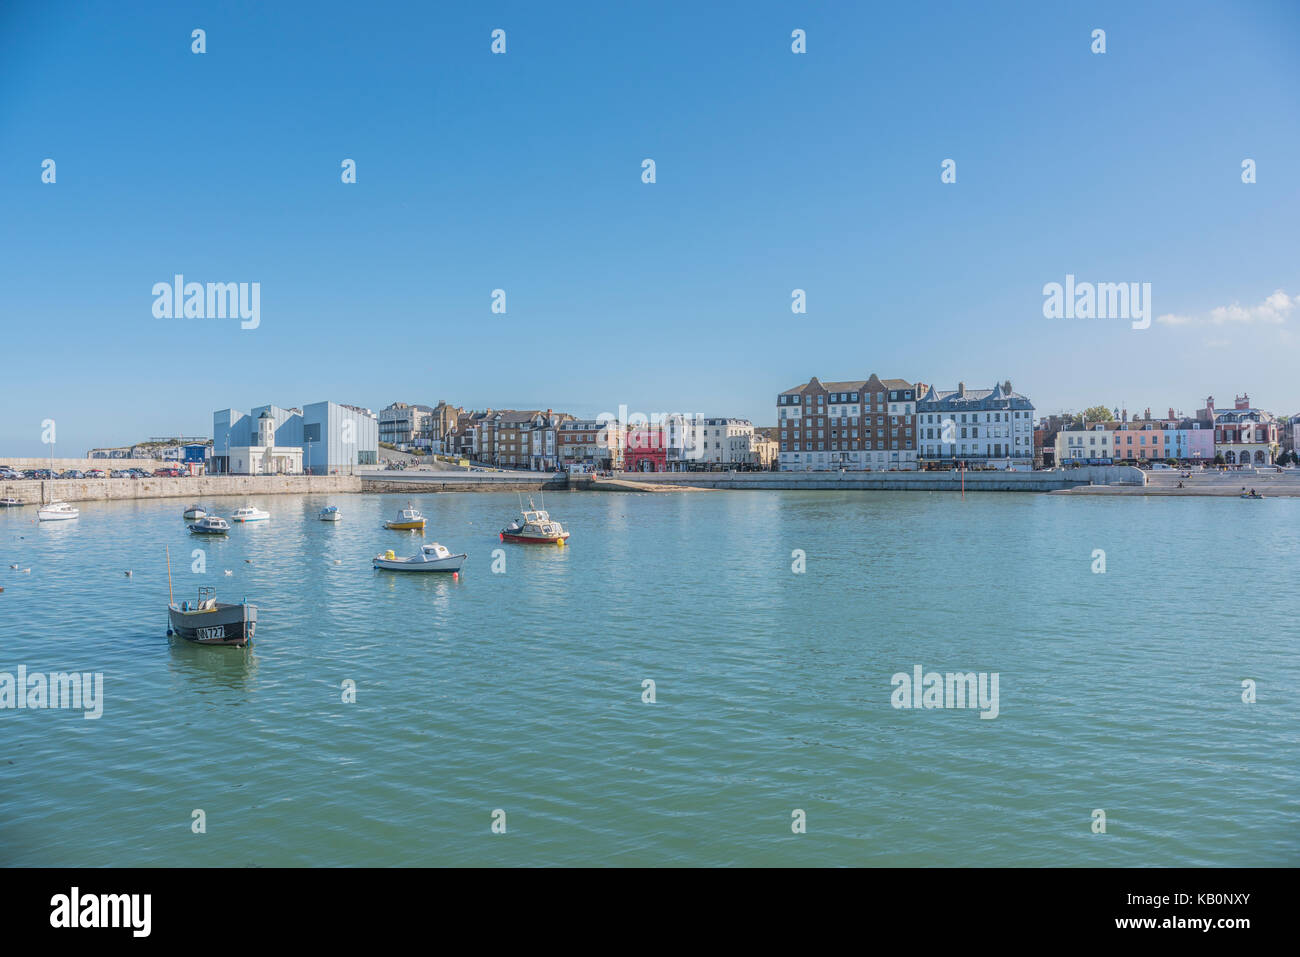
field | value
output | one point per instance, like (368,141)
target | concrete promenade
(1273,484)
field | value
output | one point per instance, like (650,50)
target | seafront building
(330,439)
(727,442)
(593,444)
(401,425)
(861,424)
(1242,435)
(980,427)
(647,449)
(515,439)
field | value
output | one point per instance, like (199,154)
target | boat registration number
(208,634)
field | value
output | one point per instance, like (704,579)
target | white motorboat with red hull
(537,528)
(210,622)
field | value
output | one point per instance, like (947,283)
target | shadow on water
(213,666)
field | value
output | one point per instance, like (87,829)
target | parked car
(95,473)
(73,474)
(9,474)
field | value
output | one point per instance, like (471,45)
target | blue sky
(775,171)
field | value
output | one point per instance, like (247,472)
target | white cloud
(1272,311)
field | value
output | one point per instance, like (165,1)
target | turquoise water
(522,691)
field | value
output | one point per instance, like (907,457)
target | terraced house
(592,443)
(860,425)
(517,439)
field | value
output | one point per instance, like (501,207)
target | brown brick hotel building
(862,424)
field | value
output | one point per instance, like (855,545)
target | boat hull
(200,530)
(405,526)
(450,564)
(531,540)
(224,625)
(57,516)
(194,514)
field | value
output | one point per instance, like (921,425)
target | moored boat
(432,558)
(330,513)
(9,503)
(537,528)
(57,512)
(194,512)
(408,518)
(210,525)
(210,622)
(249,514)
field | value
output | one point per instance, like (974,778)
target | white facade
(265,457)
(726,441)
(993,427)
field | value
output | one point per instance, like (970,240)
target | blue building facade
(335,438)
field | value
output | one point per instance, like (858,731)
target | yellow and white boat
(407,518)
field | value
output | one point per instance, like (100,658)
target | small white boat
(194,513)
(9,503)
(330,513)
(57,512)
(249,514)
(432,558)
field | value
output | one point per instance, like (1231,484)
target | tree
(1097,413)
(1218,459)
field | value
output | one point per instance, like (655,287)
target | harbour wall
(458,481)
(196,489)
(200,488)
(1115,475)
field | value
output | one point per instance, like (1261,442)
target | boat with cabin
(409,518)
(57,512)
(207,621)
(210,525)
(536,528)
(9,503)
(249,514)
(432,558)
(330,513)
(194,513)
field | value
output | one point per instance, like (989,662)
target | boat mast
(170,599)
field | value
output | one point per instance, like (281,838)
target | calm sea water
(522,691)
